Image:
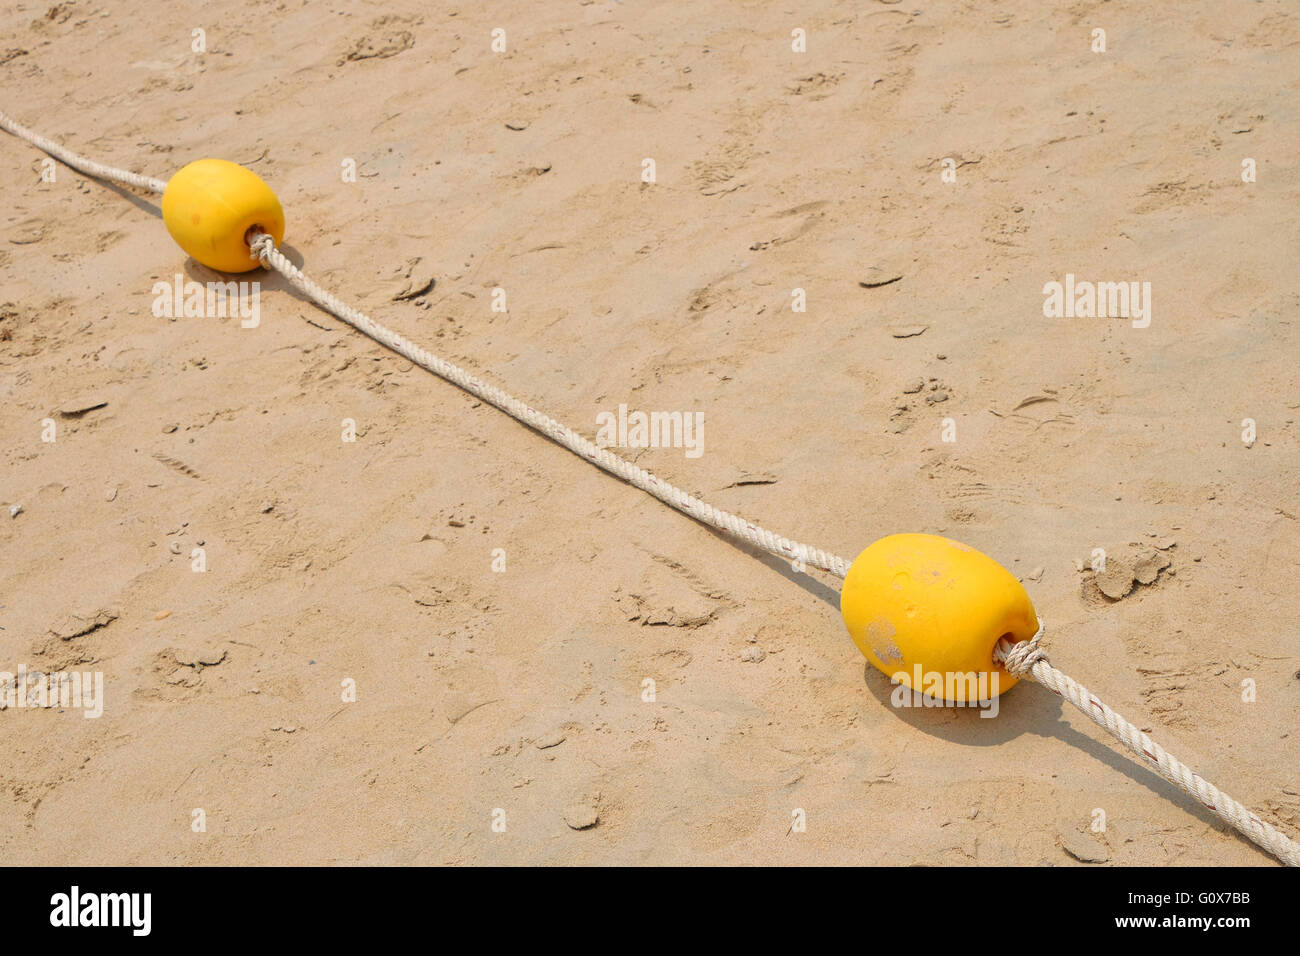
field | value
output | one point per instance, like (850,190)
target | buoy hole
(1009,638)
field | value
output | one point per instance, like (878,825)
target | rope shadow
(1033,710)
(823,592)
(134,198)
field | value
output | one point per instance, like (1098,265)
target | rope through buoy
(247,219)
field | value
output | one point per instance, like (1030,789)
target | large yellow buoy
(209,206)
(928,611)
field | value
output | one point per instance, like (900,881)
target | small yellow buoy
(928,612)
(209,206)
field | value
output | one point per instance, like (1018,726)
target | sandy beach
(430,644)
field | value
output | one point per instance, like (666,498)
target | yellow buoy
(928,611)
(209,206)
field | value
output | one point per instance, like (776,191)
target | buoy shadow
(1018,711)
(1029,708)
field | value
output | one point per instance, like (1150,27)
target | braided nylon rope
(1024,659)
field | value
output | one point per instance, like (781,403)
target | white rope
(1027,659)
(87,166)
(263,247)
(1024,659)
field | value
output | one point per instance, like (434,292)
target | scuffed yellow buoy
(209,206)
(928,611)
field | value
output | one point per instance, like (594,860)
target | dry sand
(776,170)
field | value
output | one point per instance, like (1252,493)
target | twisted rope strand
(1025,659)
(263,248)
(79,162)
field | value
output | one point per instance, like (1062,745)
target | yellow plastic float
(928,611)
(209,206)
